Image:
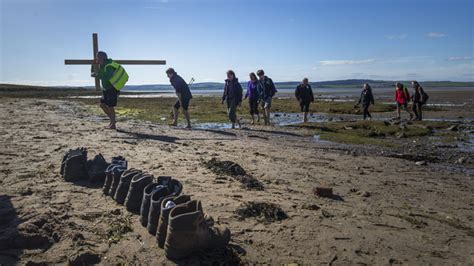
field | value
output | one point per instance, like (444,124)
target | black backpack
(96,168)
(424,96)
(74,165)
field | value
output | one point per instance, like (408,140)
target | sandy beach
(385,210)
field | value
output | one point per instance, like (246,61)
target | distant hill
(349,83)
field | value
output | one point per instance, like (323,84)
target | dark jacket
(181,86)
(232,91)
(304,93)
(418,95)
(366,97)
(266,88)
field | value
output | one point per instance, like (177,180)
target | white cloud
(345,62)
(436,34)
(396,37)
(460,58)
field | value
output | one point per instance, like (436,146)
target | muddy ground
(385,210)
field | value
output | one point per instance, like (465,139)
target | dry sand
(388,211)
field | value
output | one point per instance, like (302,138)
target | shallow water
(468,144)
(286,119)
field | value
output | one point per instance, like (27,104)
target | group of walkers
(402,97)
(419,98)
(260,92)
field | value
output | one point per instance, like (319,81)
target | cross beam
(95,49)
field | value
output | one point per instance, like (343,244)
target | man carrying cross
(113,77)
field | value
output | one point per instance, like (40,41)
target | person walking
(419,98)
(402,97)
(113,78)
(232,96)
(253,96)
(266,89)
(184,96)
(304,95)
(366,98)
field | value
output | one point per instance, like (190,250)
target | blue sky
(289,39)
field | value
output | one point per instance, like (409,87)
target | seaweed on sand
(235,171)
(264,212)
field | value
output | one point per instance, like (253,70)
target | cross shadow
(216,131)
(10,252)
(136,135)
(275,132)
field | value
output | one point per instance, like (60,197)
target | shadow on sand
(169,139)
(274,132)
(10,252)
(140,136)
(216,131)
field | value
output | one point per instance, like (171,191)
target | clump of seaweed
(264,212)
(235,171)
(118,228)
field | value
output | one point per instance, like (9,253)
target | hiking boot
(124,186)
(134,197)
(164,215)
(175,187)
(108,178)
(116,180)
(155,208)
(188,232)
(120,160)
(149,189)
(145,207)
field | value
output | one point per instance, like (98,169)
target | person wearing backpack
(304,95)
(267,90)
(419,98)
(402,97)
(232,96)
(366,98)
(113,78)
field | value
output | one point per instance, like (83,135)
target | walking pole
(190,84)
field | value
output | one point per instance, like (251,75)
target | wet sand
(387,210)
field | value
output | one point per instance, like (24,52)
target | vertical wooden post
(95,49)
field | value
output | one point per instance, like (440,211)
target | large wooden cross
(95,49)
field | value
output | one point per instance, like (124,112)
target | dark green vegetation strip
(209,109)
(380,133)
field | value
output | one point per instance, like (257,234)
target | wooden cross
(95,49)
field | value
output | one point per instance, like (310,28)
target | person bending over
(184,96)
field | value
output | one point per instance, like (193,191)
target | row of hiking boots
(177,222)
